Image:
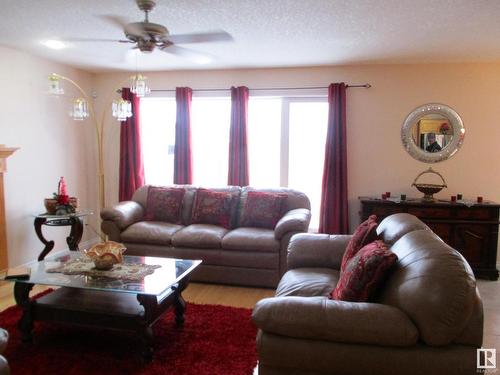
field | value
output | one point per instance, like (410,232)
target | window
(158,139)
(307,136)
(286,142)
(210,120)
(264,139)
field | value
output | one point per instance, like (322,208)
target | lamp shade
(122,109)
(80,109)
(54,85)
(138,85)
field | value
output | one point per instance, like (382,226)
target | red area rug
(215,340)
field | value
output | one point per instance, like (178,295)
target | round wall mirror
(432,133)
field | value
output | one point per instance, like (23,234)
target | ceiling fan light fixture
(54,44)
(138,85)
(204,60)
(121,109)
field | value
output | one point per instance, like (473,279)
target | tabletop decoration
(85,266)
(106,254)
(429,189)
(61,203)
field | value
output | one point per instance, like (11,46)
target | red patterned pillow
(164,204)
(213,207)
(364,273)
(263,210)
(365,233)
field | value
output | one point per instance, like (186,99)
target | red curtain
(183,170)
(334,216)
(238,151)
(131,162)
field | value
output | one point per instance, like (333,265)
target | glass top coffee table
(132,305)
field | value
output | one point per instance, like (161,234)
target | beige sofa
(242,256)
(428,318)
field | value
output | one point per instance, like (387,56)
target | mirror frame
(427,109)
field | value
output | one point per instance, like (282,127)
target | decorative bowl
(51,204)
(105,255)
(429,189)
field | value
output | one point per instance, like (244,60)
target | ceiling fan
(148,36)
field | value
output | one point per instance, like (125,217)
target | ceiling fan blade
(122,23)
(211,36)
(96,40)
(199,57)
(114,20)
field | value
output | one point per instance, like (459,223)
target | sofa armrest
(319,318)
(4,337)
(123,214)
(293,221)
(317,250)
(4,366)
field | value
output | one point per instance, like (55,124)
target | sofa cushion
(263,210)
(252,239)
(307,282)
(152,232)
(295,199)
(364,273)
(249,259)
(212,207)
(205,236)
(364,234)
(164,204)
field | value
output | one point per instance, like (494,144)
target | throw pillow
(213,207)
(364,273)
(263,210)
(164,204)
(365,233)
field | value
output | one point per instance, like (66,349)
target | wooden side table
(75,221)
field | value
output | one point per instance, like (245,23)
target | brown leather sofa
(428,318)
(4,366)
(243,255)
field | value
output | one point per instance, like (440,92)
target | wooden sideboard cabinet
(473,231)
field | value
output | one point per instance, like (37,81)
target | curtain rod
(366,86)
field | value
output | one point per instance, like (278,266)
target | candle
(479,199)
(453,198)
(62,187)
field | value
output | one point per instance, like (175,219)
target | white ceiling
(271,33)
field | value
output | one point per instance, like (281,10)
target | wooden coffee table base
(110,310)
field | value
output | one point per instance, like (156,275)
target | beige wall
(376,159)
(51,145)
